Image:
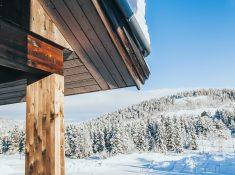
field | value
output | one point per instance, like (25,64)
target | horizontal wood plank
(13,83)
(75,70)
(81,90)
(82,83)
(13,92)
(26,51)
(12,101)
(77,77)
(72,63)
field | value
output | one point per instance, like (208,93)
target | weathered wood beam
(23,50)
(45,127)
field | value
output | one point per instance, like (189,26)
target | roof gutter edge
(129,16)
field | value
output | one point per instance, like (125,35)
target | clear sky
(193,45)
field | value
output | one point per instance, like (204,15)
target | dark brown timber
(25,51)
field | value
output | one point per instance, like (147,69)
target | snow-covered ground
(214,158)
(145,163)
(215,155)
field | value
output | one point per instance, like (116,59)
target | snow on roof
(139,9)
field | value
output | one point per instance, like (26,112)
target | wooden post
(45,127)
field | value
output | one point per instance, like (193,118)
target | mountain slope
(174,123)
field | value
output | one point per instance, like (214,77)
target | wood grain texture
(91,20)
(42,24)
(83,40)
(104,56)
(44,56)
(78,79)
(117,43)
(45,127)
(113,64)
(22,50)
(49,7)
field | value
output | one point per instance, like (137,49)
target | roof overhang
(101,51)
(101,39)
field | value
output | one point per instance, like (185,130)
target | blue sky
(193,45)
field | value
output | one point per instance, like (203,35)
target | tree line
(139,128)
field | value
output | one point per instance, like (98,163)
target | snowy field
(214,158)
(146,163)
(215,143)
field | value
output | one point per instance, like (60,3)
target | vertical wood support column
(45,127)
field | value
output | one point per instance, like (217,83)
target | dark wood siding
(13,92)
(16,11)
(104,57)
(82,27)
(26,51)
(77,77)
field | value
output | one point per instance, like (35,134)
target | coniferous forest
(155,125)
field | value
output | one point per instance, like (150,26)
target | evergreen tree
(5,144)
(193,143)
(170,134)
(83,144)
(221,129)
(151,135)
(21,142)
(118,140)
(160,138)
(179,146)
(98,141)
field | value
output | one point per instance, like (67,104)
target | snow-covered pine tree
(183,125)
(119,140)
(21,142)
(160,141)
(83,143)
(71,132)
(13,141)
(193,144)
(192,136)
(98,143)
(201,126)
(170,134)
(139,135)
(5,144)
(151,135)
(107,138)
(221,129)
(179,145)
(67,146)
(142,138)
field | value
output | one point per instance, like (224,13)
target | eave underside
(82,27)
(104,56)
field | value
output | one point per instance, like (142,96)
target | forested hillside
(173,123)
